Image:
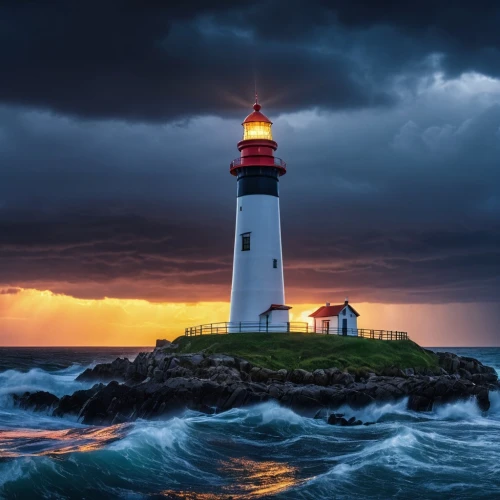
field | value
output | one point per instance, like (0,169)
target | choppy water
(259,452)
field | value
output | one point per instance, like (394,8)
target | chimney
(328,304)
(346,301)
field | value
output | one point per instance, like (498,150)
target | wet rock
(334,418)
(419,403)
(298,376)
(158,375)
(320,377)
(339,419)
(73,404)
(483,400)
(116,370)
(162,382)
(36,401)
(342,378)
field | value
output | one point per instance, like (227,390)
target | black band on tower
(255,180)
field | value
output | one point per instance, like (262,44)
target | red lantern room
(257,147)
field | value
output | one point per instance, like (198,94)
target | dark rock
(321,414)
(36,401)
(419,403)
(162,382)
(117,370)
(483,400)
(73,404)
(320,377)
(162,343)
(298,376)
(358,399)
(342,378)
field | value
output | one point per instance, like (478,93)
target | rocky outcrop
(338,419)
(467,368)
(161,382)
(162,343)
(37,401)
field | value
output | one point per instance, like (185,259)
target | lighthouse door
(344,326)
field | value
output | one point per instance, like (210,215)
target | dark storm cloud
(394,198)
(161,261)
(149,61)
(145,62)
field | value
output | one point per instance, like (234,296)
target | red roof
(327,311)
(276,307)
(257,116)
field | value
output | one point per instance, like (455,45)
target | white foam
(60,383)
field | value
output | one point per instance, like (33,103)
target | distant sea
(260,452)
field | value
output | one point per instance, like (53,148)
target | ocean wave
(59,382)
(261,451)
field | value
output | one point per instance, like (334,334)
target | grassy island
(310,352)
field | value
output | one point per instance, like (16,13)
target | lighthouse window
(275,263)
(245,242)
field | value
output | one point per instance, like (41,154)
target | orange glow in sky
(42,318)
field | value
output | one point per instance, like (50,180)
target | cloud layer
(118,124)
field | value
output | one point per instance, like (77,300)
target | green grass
(309,352)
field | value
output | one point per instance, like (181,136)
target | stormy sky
(118,121)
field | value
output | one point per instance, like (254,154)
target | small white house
(338,319)
(274,319)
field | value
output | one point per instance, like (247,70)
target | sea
(259,452)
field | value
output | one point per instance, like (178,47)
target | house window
(245,242)
(241,209)
(344,312)
(275,263)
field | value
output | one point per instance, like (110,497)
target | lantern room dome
(257,116)
(257,125)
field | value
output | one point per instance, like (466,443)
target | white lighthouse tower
(258,290)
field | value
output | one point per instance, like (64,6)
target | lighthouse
(258,290)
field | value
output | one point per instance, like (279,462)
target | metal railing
(247,327)
(291,327)
(240,162)
(366,333)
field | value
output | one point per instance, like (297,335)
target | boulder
(419,403)
(339,419)
(117,370)
(320,377)
(36,401)
(73,404)
(162,343)
(342,378)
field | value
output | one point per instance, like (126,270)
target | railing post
(240,326)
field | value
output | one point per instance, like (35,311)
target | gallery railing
(291,327)
(250,161)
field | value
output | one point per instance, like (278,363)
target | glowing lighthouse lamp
(258,291)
